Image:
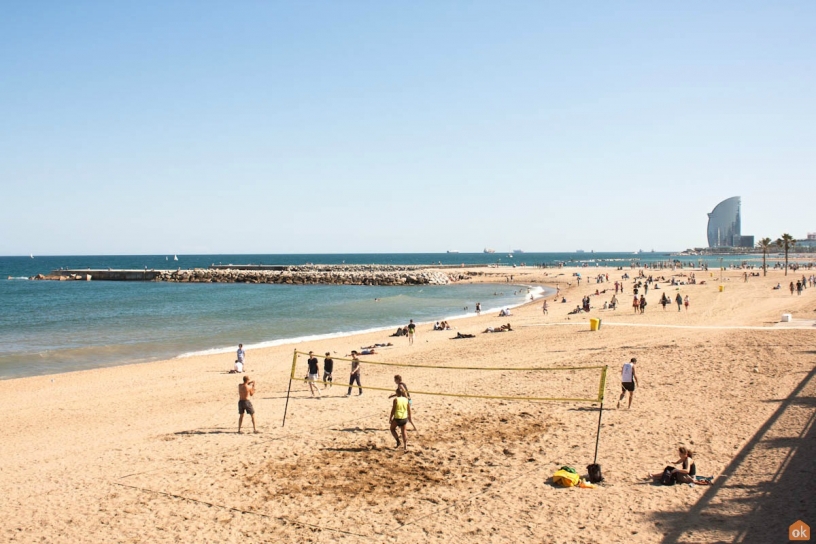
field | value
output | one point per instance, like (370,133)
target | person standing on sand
(328,368)
(240,355)
(355,374)
(478,308)
(411,332)
(642,303)
(246,390)
(679,300)
(686,302)
(544,308)
(628,381)
(314,374)
(636,304)
(400,416)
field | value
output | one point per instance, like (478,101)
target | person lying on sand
(460,335)
(503,328)
(365,351)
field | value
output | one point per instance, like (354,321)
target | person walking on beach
(686,302)
(636,304)
(399,417)
(314,374)
(478,308)
(544,308)
(679,300)
(328,368)
(411,332)
(628,381)
(355,374)
(663,301)
(246,390)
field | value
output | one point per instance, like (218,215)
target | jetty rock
(274,274)
(312,274)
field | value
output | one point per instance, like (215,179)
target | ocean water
(51,327)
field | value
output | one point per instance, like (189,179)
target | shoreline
(538,291)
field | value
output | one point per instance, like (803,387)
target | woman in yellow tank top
(400,416)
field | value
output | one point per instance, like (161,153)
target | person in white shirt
(239,362)
(628,381)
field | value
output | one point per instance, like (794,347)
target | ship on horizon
(489,250)
(453,251)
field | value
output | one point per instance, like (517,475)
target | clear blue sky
(280,127)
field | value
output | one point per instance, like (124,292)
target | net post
(601,390)
(291,376)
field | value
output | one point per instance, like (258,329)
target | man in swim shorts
(246,390)
(628,381)
(411,331)
(314,374)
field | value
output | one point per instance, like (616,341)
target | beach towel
(564,478)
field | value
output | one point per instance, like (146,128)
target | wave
(536,290)
(284,341)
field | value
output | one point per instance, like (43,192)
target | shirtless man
(246,390)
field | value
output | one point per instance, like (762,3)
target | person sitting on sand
(685,474)
(399,417)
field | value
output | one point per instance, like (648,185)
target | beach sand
(150,453)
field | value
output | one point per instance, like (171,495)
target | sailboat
(32,255)
(175,257)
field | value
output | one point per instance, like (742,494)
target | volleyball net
(564,384)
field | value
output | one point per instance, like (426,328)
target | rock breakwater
(290,275)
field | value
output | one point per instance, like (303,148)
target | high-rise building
(724,227)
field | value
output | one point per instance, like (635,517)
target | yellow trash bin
(721,288)
(594,324)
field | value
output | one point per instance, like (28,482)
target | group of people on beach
(400,410)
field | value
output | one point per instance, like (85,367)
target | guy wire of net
(568,383)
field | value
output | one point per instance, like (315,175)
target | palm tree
(786,243)
(765,245)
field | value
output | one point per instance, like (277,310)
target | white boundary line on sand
(738,327)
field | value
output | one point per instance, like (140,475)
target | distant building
(724,225)
(808,242)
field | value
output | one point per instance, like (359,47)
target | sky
(362,127)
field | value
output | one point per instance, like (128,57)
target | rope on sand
(233,509)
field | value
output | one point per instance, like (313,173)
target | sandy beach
(150,453)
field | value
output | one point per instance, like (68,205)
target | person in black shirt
(355,373)
(314,374)
(328,368)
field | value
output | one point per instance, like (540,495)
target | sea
(49,327)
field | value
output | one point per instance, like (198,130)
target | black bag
(668,476)
(595,475)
